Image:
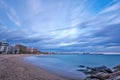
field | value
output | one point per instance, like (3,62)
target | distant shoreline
(83,52)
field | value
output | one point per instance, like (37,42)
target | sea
(67,65)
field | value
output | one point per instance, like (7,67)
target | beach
(13,67)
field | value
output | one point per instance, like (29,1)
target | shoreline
(54,70)
(13,67)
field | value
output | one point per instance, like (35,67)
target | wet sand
(13,67)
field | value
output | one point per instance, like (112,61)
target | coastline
(13,67)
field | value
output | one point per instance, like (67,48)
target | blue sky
(62,25)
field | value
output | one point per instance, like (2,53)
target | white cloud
(111,8)
(81,13)
(67,44)
(13,17)
(68,33)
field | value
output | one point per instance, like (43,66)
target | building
(32,50)
(17,49)
(13,50)
(25,50)
(4,47)
(36,51)
(22,49)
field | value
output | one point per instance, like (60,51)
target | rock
(102,69)
(100,75)
(85,70)
(88,67)
(91,79)
(117,78)
(116,68)
(81,66)
(115,74)
(89,70)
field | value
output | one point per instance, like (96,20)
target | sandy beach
(13,67)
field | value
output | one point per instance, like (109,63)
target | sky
(62,25)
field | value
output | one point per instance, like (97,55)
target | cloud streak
(11,13)
(79,27)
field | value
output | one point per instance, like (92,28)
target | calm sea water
(67,65)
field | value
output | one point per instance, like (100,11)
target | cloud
(67,44)
(81,12)
(111,8)
(76,28)
(12,16)
(11,13)
(34,6)
(95,33)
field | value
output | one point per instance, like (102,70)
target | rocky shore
(101,73)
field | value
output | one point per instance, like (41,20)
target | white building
(12,50)
(4,47)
